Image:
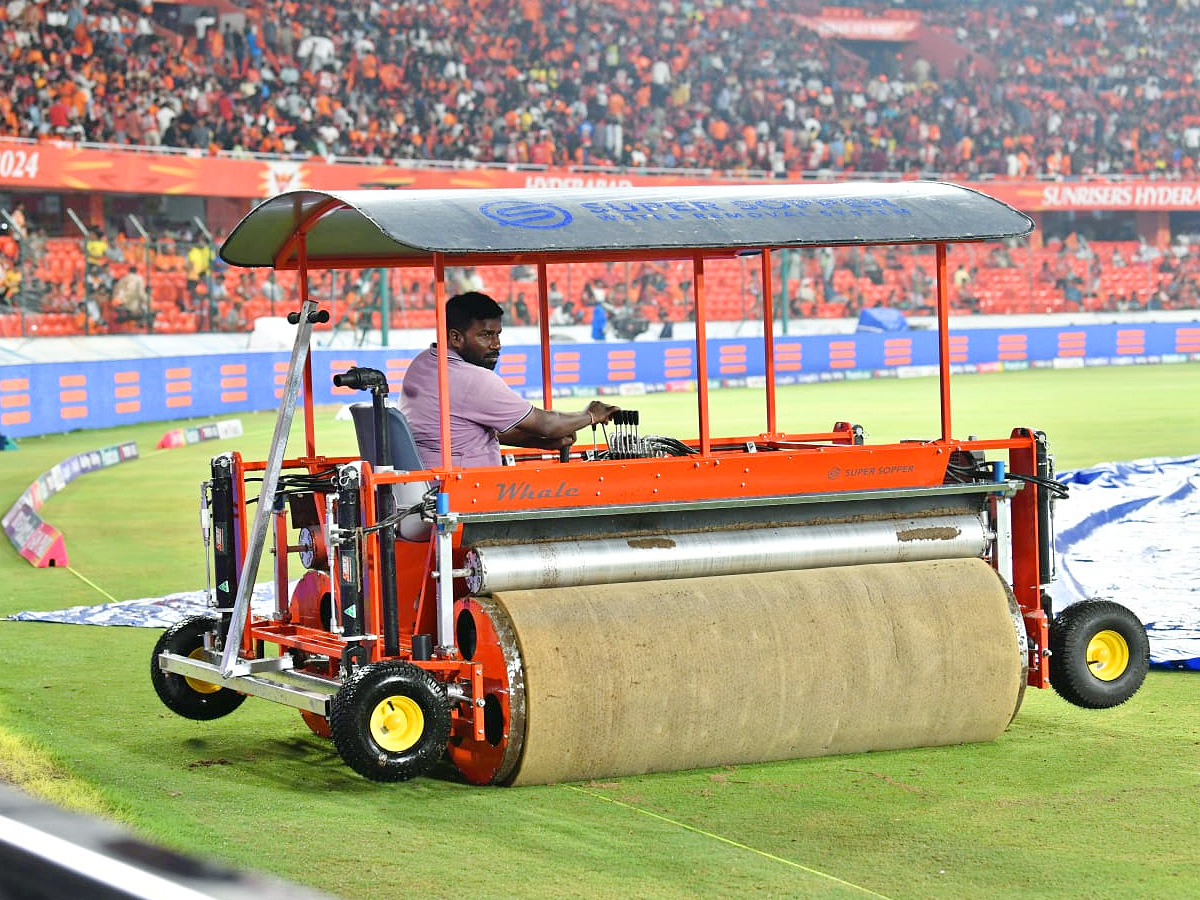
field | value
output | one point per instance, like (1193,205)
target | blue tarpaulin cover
(1129,532)
(881,318)
(148,612)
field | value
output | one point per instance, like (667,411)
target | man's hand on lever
(548,429)
(600,412)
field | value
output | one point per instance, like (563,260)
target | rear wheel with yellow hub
(1099,654)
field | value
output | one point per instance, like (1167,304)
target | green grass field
(1067,803)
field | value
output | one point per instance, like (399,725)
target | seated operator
(484,410)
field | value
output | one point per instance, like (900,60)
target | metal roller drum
(624,679)
(553,564)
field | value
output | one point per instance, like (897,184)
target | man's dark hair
(463,309)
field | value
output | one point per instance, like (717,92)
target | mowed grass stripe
(725,840)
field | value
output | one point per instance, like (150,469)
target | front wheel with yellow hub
(390,721)
(1099,654)
(184,696)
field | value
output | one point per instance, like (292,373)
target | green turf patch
(1067,803)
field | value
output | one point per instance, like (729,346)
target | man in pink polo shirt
(484,411)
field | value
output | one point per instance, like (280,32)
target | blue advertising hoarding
(47,398)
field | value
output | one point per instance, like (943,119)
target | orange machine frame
(294,232)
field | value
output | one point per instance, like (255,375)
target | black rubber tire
(369,689)
(1071,673)
(181,696)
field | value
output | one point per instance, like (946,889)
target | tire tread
(176,694)
(1070,633)
(349,720)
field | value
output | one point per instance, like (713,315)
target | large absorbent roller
(648,603)
(639,653)
(622,679)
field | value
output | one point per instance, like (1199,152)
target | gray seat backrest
(401,444)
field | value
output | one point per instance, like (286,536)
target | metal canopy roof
(378,227)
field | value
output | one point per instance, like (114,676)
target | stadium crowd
(104,288)
(1052,88)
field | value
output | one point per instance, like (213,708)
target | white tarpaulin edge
(1130,533)
(148,612)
